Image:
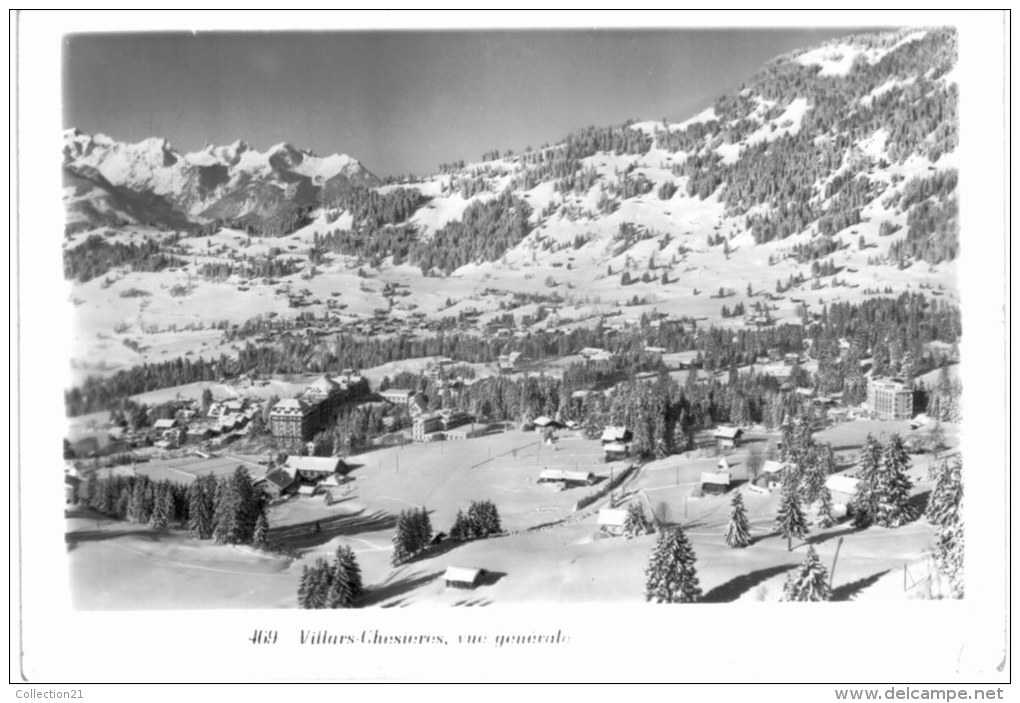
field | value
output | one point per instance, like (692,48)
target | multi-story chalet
(425,425)
(300,418)
(890,399)
(292,418)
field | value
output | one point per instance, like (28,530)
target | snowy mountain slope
(805,187)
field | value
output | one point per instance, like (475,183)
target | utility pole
(832,571)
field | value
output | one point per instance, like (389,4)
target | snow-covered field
(125,566)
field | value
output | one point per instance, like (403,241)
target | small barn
(543,423)
(314,468)
(715,482)
(728,437)
(567,478)
(277,483)
(612,520)
(772,474)
(616,451)
(462,577)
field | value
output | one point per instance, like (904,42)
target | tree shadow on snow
(375,595)
(435,550)
(848,590)
(305,535)
(737,586)
(849,529)
(73,538)
(490,578)
(471,603)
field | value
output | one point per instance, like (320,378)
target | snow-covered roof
(316,464)
(462,574)
(612,517)
(728,432)
(773,467)
(563,475)
(615,433)
(721,478)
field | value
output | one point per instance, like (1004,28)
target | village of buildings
(546,474)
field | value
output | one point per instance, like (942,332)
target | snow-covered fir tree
(402,539)
(810,582)
(317,585)
(864,504)
(825,516)
(945,511)
(738,532)
(162,509)
(949,546)
(944,501)
(345,556)
(892,502)
(341,591)
(261,534)
(636,524)
(460,530)
(670,576)
(790,517)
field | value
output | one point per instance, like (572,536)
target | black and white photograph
(655,325)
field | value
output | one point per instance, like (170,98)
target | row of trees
(480,521)
(96,256)
(413,534)
(331,584)
(229,509)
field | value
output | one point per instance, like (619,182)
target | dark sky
(403,101)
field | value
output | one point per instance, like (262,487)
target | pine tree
(944,501)
(482,519)
(738,533)
(636,524)
(422,530)
(893,508)
(790,517)
(345,555)
(670,574)
(949,553)
(318,586)
(460,530)
(945,511)
(261,536)
(163,507)
(136,508)
(810,583)
(825,516)
(199,513)
(340,594)
(225,515)
(304,587)
(402,539)
(864,504)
